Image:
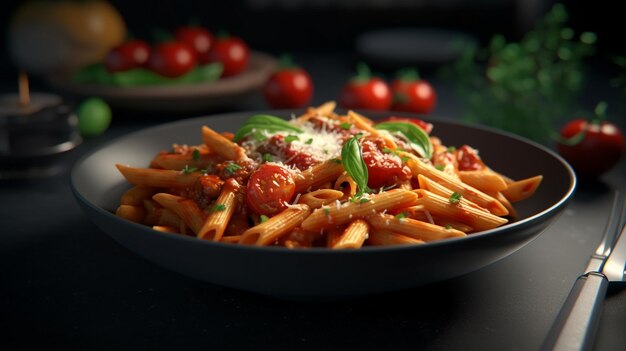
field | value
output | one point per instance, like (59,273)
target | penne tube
(498,195)
(162,217)
(233,239)
(187,209)
(353,236)
(165,229)
(132,213)
(318,198)
(346,184)
(180,161)
(483,180)
(326,109)
(412,228)
(362,122)
(268,232)
(136,195)
(436,188)
(157,178)
(522,189)
(462,211)
(220,212)
(470,193)
(321,173)
(222,146)
(332,216)
(384,238)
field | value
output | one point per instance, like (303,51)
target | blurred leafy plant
(525,87)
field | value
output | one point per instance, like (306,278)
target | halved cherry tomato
(365,92)
(128,55)
(199,38)
(269,190)
(289,87)
(427,127)
(232,52)
(599,150)
(412,94)
(172,59)
(383,168)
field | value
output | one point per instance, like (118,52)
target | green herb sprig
(417,138)
(352,161)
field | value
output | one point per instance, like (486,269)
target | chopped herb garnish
(401,215)
(263,218)
(364,200)
(326,211)
(188,169)
(267,158)
(196,154)
(335,160)
(440,167)
(232,168)
(448,226)
(290,138)
(218,207)
(455,198)
(451,149)
(309,142)
(345,125)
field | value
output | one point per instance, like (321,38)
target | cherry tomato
(232,52)
(199,38)
(383,168)
(427,127)
(416,96)
(289,87)
(600,149)
(365,92)
(269,189)
(172,59)
(128,55)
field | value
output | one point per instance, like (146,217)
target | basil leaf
(417,138)
(264,122)
(353,163)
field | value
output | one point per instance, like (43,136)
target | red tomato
(600,149)
(200,39)
(370,93)
(172,59)
(416,96)
(468,159)
(288,88)
(383,169)
(128,55)
(427,127)
(269,189)
(232,52)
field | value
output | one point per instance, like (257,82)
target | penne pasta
(522,189)
(268,232)
(320,180)
(157,178)
(412,228)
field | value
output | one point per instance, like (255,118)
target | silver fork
(576,325)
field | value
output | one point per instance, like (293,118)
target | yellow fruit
(57,38)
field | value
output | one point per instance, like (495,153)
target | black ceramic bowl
(319,272)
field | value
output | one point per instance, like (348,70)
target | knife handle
(576,325)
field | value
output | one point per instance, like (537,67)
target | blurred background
(277,26)
(328,37)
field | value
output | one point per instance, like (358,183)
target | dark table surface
(65,284)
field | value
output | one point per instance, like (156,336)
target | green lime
(94,117)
